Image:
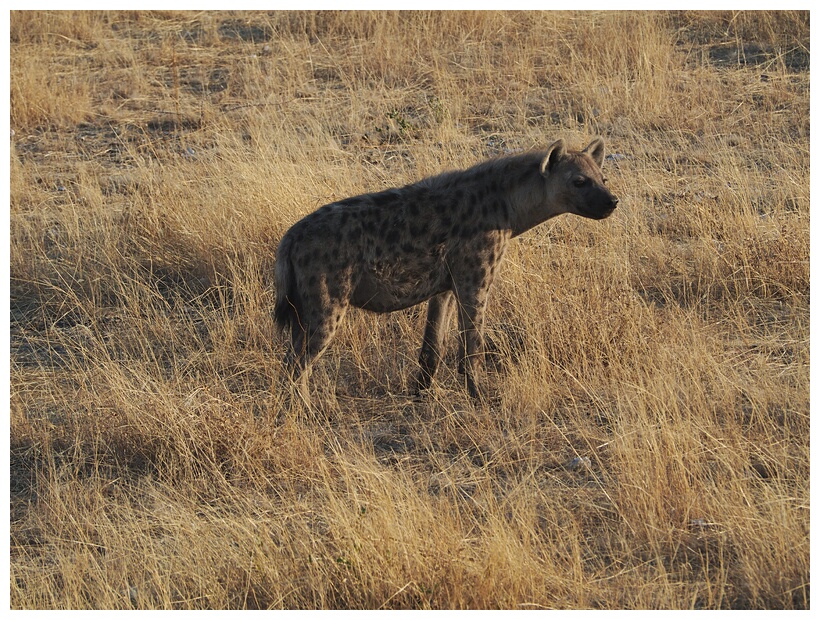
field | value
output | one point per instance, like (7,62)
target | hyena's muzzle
(598,204)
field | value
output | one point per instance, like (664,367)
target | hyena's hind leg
(309,337)
(439,314)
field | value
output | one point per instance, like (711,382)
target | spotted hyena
(440,239)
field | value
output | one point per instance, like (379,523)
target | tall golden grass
(646,444)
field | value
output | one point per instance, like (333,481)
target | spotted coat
(440,239)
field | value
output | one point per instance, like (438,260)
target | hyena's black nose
(613,202)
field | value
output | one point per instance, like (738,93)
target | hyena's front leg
(439,312)
(471,306)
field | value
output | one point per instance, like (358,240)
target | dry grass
(156,160)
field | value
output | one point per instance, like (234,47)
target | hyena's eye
(580,181)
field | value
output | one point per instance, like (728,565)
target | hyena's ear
(554,153)
(596,151)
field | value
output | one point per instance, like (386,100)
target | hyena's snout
(602,205)
(610,204)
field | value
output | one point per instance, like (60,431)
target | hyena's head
(574,180)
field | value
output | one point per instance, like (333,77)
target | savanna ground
(646,439)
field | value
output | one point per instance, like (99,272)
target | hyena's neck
(508,193)
(512,190)
(528,206)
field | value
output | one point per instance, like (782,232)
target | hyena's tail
(288,303)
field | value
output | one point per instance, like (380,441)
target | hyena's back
(381,252)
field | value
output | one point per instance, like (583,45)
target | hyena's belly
(388,285)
